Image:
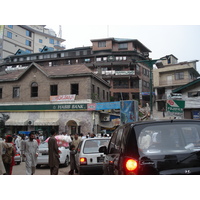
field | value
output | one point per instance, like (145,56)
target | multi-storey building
(28,38)
(110,58)
(169,75)
(42,97)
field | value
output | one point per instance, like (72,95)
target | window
(28,43)
(98,92)
(93,88)
(98,59)
(16,92)
(1,93)
(75,89)
(10,26)
(34,90)
(40,41)
(123,46)
(179,75)
(121,83)
(28,51)
(9,34)
(194,94)
(28,33)
(53,90)
(102,44)
(103,94)
(51,41)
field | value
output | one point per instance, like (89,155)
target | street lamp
(150,63)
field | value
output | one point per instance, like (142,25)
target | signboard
(128,111)
(108,105)
(195,114)
(124,72)
(44,107)
(175,108)
(70,97)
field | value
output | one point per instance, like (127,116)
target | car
(88,159)
(43,157)
(159,147)
(17,158)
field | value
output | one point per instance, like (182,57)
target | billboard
(175,108)
(128,111)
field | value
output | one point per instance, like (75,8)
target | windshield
(92,146)
(170,138)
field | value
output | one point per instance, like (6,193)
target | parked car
(154,147)
(88,158)
(17,158)
(43,157)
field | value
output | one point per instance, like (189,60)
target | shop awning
(46,122)
(47,119)
(17,119)
(107,124)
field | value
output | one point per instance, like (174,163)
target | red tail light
(131,166)
(17,154)
(83,161)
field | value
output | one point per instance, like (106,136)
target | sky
(183,41)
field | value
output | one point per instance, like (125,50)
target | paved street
(44,170)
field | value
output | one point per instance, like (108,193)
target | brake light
(83,161)
(131,166)
(17,154)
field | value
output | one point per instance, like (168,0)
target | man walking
(53,154)
(30,152)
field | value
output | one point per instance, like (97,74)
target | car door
(114,150)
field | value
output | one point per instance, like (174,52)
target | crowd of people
(27,146)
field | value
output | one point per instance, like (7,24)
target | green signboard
(44,107)
(176,106)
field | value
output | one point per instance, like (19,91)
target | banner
(69,97)
(128,111)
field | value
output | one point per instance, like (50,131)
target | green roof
(186,85)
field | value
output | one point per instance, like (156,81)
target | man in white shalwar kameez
(30,152)
(2,168)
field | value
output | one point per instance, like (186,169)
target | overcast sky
(183,41)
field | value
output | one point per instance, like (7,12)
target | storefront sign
(124,72)
(44,107)
(70,97)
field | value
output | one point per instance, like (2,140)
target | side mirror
(103,149)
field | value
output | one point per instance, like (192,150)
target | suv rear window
(92,146)
(169,138)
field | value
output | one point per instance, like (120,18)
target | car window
(162,139)
(43,145)
(115,142)
(92,146)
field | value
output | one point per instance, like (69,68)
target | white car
(88,158)
(43,157)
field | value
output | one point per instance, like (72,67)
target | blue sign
(108,105)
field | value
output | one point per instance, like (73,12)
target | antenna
(107,30)
(60,31)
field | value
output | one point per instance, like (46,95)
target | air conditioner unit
(30,122)
(105,119)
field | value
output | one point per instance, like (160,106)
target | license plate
(100,159)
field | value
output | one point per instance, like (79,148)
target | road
(44,170)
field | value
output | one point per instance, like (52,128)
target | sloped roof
(61,71)
(192,83)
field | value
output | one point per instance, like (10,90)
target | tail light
(83,161)
(17,154)
(131,166)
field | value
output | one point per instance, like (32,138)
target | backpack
(7,157)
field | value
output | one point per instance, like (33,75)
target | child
(72,160)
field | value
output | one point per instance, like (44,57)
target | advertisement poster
(128,111)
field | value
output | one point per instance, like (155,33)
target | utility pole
(150,64)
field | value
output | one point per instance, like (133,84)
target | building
(36,97)
(27,38)
(169,75)
(112,59)
(190,93)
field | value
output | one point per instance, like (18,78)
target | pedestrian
(163,110)
(76,141)
(72,160)
(30,152)
(18,143)
(53,154)
(22,147)
(3,145)
(8,157)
